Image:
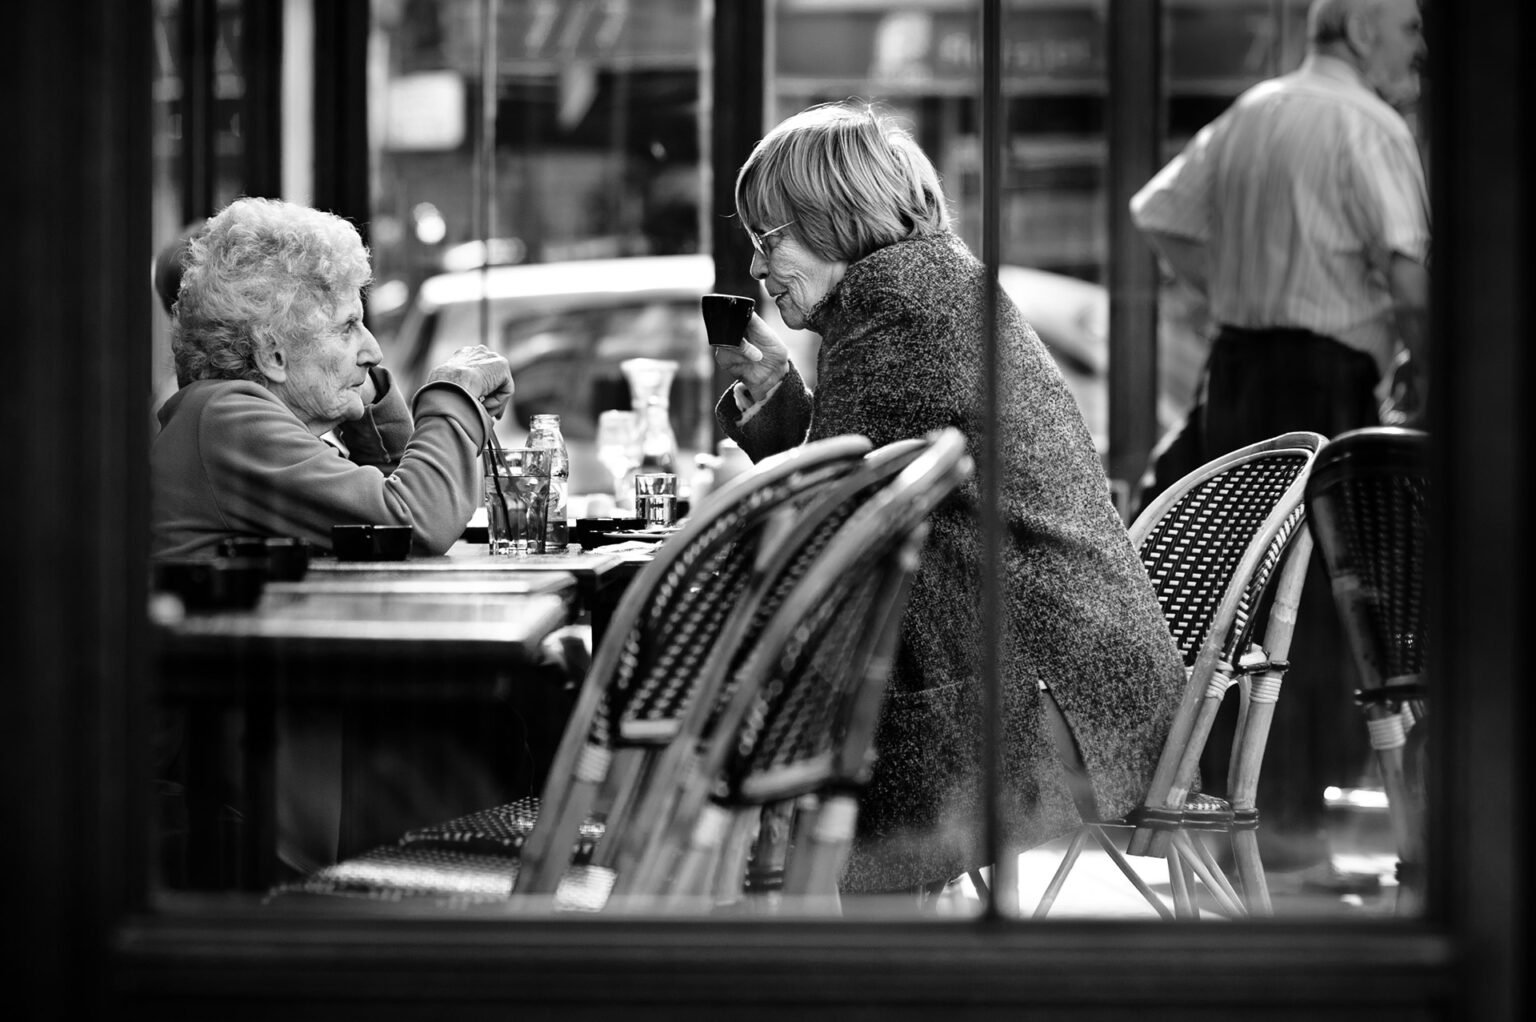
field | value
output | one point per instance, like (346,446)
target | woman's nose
(370,354)
(759,266)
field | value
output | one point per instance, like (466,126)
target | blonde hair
(852,179)
(262,273)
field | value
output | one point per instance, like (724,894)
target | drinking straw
(493,454)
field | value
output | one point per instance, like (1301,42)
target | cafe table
(600,574)
(461,629)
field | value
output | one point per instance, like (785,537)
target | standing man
(1301,215)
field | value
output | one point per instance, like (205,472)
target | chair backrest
(653,658)
(789,545)
(808,693)
(1211,544)
(801,706)
(1367,502)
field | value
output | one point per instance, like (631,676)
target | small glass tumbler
(516,499)
(656,498)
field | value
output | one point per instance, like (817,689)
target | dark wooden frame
(86,940)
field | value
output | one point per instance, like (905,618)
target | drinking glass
(618,448)
(516,499)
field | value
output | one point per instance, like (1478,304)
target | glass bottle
(650,395)
(544,431)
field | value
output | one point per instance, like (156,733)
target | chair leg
(1250,871)
(728,883)
(1134,877)
(1203,864)
(1074,849)
(1182,882)
(690,881)
(1074,852)
(818,860)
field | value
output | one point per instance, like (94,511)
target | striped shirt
(1300,193)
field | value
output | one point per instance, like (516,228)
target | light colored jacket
(232,460)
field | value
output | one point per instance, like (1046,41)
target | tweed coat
(901,355)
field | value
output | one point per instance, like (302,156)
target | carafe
(650,395)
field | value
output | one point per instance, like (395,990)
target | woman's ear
(273,365)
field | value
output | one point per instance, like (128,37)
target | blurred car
(565,327)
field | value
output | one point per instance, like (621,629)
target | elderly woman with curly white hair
(853,241)
(287,424)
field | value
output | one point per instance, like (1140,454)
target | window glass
(576,244)
(564,224)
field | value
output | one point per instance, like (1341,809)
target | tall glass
(618,448)
(516,499)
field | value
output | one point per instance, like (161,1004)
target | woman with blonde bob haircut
(852,240)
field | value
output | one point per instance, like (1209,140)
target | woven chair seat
(446,877)
(500,830)
(394,873)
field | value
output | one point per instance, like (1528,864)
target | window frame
(96,940)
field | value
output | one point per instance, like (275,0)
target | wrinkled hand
(760,362)
(368,391)
(480,371)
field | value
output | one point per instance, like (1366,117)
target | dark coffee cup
(286,559)
(371,542)
(726,318)
(219,583)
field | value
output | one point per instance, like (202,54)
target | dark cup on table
(726,318)
(286,559)
(217,583)
(371,542)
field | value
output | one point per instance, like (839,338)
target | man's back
(1300,193)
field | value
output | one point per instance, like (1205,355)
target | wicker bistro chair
(1367,502)
(793,746)
(1219,545)
(666,639)
(810,527)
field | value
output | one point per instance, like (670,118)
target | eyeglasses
(757,239)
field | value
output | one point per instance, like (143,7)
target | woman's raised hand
(760,362)
(483,373)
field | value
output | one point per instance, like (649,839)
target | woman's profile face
(796,278)
(326,372)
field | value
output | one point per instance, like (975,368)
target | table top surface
(424,584)
(465,559)
(374,624)
(468,611)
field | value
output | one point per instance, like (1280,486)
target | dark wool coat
(901,355)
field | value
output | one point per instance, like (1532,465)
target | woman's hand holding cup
(759,363)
